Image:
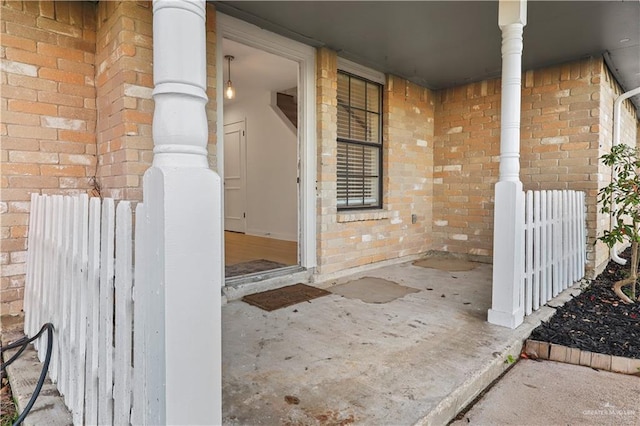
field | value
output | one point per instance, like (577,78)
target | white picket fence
(555,244)
(80,258)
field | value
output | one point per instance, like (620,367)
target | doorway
(260,162)
(303,57)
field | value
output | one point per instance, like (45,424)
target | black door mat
(271,300)
(251,267)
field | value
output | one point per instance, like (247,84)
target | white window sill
(360,216)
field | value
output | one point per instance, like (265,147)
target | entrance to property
(260,161)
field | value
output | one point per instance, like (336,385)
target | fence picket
(93,317)
(65,295)
(29,300)
(555,249)
(578,232)
(124,312)
(528,234)
(74,296)
(37,293)
(138,415)
(543,247)
(583,231)
(566,239)
(55,285)
(549,245)
(46,268)
(577,239)
(537,229)
(80,307)
(105,361)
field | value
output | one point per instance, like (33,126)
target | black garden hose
(22,343)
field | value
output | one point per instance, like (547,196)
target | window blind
(359,142)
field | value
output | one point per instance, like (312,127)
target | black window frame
(354,142)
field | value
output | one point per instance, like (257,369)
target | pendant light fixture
(229,92)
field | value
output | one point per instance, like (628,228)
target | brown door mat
(251,267)
(271,300)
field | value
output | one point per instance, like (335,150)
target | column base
(506,319)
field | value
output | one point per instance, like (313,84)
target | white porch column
(181,204)
(508,226)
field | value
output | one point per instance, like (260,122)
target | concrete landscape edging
(553,352)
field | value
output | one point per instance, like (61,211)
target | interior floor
(243,248)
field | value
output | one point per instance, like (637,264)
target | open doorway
(261,162)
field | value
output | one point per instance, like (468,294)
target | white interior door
(235,198)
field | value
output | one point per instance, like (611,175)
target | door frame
(251,35)
(243,173)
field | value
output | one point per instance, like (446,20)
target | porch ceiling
(440,44)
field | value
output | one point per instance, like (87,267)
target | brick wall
(211,85)
(124,84)
(565,127)
(48,118)
(467,142)
(351,239)
(124,80)
(560,147)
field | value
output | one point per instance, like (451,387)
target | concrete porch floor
(419,359)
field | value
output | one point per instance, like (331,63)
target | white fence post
(182,197)
(508,246)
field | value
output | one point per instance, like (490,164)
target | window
(359,142)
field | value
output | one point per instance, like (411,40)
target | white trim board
(361,71)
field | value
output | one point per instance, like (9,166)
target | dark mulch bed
(596,320)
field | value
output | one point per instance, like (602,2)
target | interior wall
(271,167)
